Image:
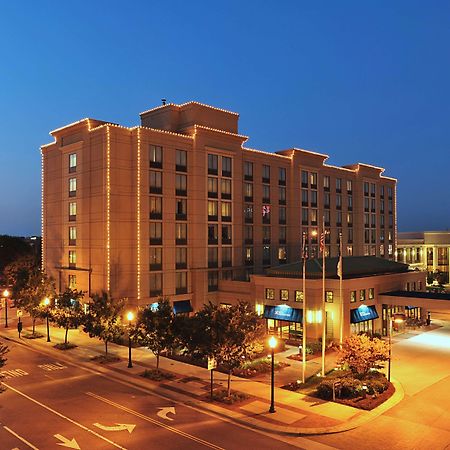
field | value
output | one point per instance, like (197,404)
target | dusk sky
(360,81)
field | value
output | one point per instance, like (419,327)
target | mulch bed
(369,402)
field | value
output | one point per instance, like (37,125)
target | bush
(220,395)
(105,359)
(64,346)
(34,335)
(257,367)
(376,383)
(325,390)
(349,388)
(157,375)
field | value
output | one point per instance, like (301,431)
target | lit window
(329,296)
(155,207)
(72,211)
(155,258)
(226,211)
(362,295)
(284,295)
(212,187)
(225,189)
(155,156)
(72,162)
(72,281)
(72,258)
(72,235)
(326,182)
(270,294)
(352,296)
(299,296)
(72,187)
(180,233)
(248,191)
(212,210)
(371,293)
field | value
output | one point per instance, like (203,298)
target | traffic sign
(19,312)
(212,363)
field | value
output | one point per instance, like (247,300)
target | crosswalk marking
(52,367)
(13,373)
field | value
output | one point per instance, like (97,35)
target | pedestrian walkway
(295,413)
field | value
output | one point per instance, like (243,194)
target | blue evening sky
(365,81)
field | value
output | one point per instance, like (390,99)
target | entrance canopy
(182,306)
(363,313)
(283,312)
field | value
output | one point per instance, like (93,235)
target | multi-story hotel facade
(179,207)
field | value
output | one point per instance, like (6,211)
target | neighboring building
(175,205)
(426,250)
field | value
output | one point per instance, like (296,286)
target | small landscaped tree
(68,312)
(360,353)
(103,318)
(155,329)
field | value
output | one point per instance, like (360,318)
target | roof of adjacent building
(352,267)
(420,294)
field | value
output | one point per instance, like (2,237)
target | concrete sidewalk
(296,414)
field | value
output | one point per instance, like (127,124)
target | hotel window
(156,208)
(226,234)
(181,161)
(391,220)
(226,257)
(180,184)
(298,296)
(282,235)
(371,293)
(350,235)
(181,258)
(366,236)
(362,295)
(304,197)
(248,213)
(381,235)
(390,206)
(226,166)
(212,210)
(248,234)
(381,191)
(372,189)
(282,255)
(339,185)
(326,200)
(155,182)
(72,187)
(270,294)
(72,235)
(389,192)
(266,255)
(265,173)
(155,156)
(180,233)
(181,209)
(212,187)
(266,193)
(373,222)
(282,216)
(72,259)
(213,253)
(72,211)
(213,237)
(212,164)
(284,295)
(350,203)
(326,217)
(349,186)
(304,216)
(382,206)
(313,216)
(181,283)
(372,205)
(266,234)
(225,189)
(282,195)
(304,178)
(155,258)
(248,255)
(381,250)
(349,250)
(248,171)
(72,281)
(72,162)
(226,211)
(338,202)
(266,214)
(313,180)
(282,176)
(366,188)
(352,296)
(314,198)
(326,183)
(366,204)
(156,284)
(382,221)
(213,281)
(329,296)
(248,192)
(155,233)
(366,220)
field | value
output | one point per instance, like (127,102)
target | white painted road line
(20,438)
(64,417)
(155,422)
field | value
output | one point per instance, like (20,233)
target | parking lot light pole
(47,313)
(272,345)
(5,297)
(130,318)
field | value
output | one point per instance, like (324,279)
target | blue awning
(283,312)
(410,307)
(363,313)
(182,306)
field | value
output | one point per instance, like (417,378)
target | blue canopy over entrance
(363,313)
(283,312)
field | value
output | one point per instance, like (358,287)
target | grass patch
(35,335)
(257,367)
(220,395)
(157,375)
(105,359)
(63,346)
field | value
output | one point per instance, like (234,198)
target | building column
(434,258)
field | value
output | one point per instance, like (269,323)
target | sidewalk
(296,414)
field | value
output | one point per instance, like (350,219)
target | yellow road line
(20,438)
(156,422)
(64,417)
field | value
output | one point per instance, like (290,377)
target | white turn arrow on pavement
(117,427)
(66,442)
(164,411)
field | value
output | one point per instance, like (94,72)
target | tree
(103,318)
(3,351)
(362,353)
(68,312)
(155,328)
(13,248)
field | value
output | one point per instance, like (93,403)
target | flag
(339,267)
(322,241)
(304,247)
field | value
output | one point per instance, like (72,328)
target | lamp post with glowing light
(5,299)
(130,317)
(46,303)
(272,345)
(397,318)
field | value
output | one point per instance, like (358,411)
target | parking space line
(64,417)
(155,422)
(20,438)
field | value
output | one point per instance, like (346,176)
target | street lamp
(46,303)
(397,318)
(272,345)
(5,296)
(130,318)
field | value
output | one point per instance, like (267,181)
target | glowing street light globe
(130,316)
(272,342)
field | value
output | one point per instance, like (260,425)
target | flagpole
(341,297)
(324,319)
(304,307)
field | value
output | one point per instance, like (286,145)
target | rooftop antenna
(163,101)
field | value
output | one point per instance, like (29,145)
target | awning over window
(363,313)
(283,312)
(410,307)
(182,306)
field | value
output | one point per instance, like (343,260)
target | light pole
(397,318)
(47,304)
(130,317)
(304,307)
(272,345)
(5,297)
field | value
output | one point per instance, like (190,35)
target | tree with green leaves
(155,328)
(3,351)
(360,353)
(68,312)
(103,318)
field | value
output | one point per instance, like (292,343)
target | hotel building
(179,207)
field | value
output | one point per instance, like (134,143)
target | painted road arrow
(66,442)
(118,427)
(164,411)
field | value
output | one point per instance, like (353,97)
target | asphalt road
(50,404)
